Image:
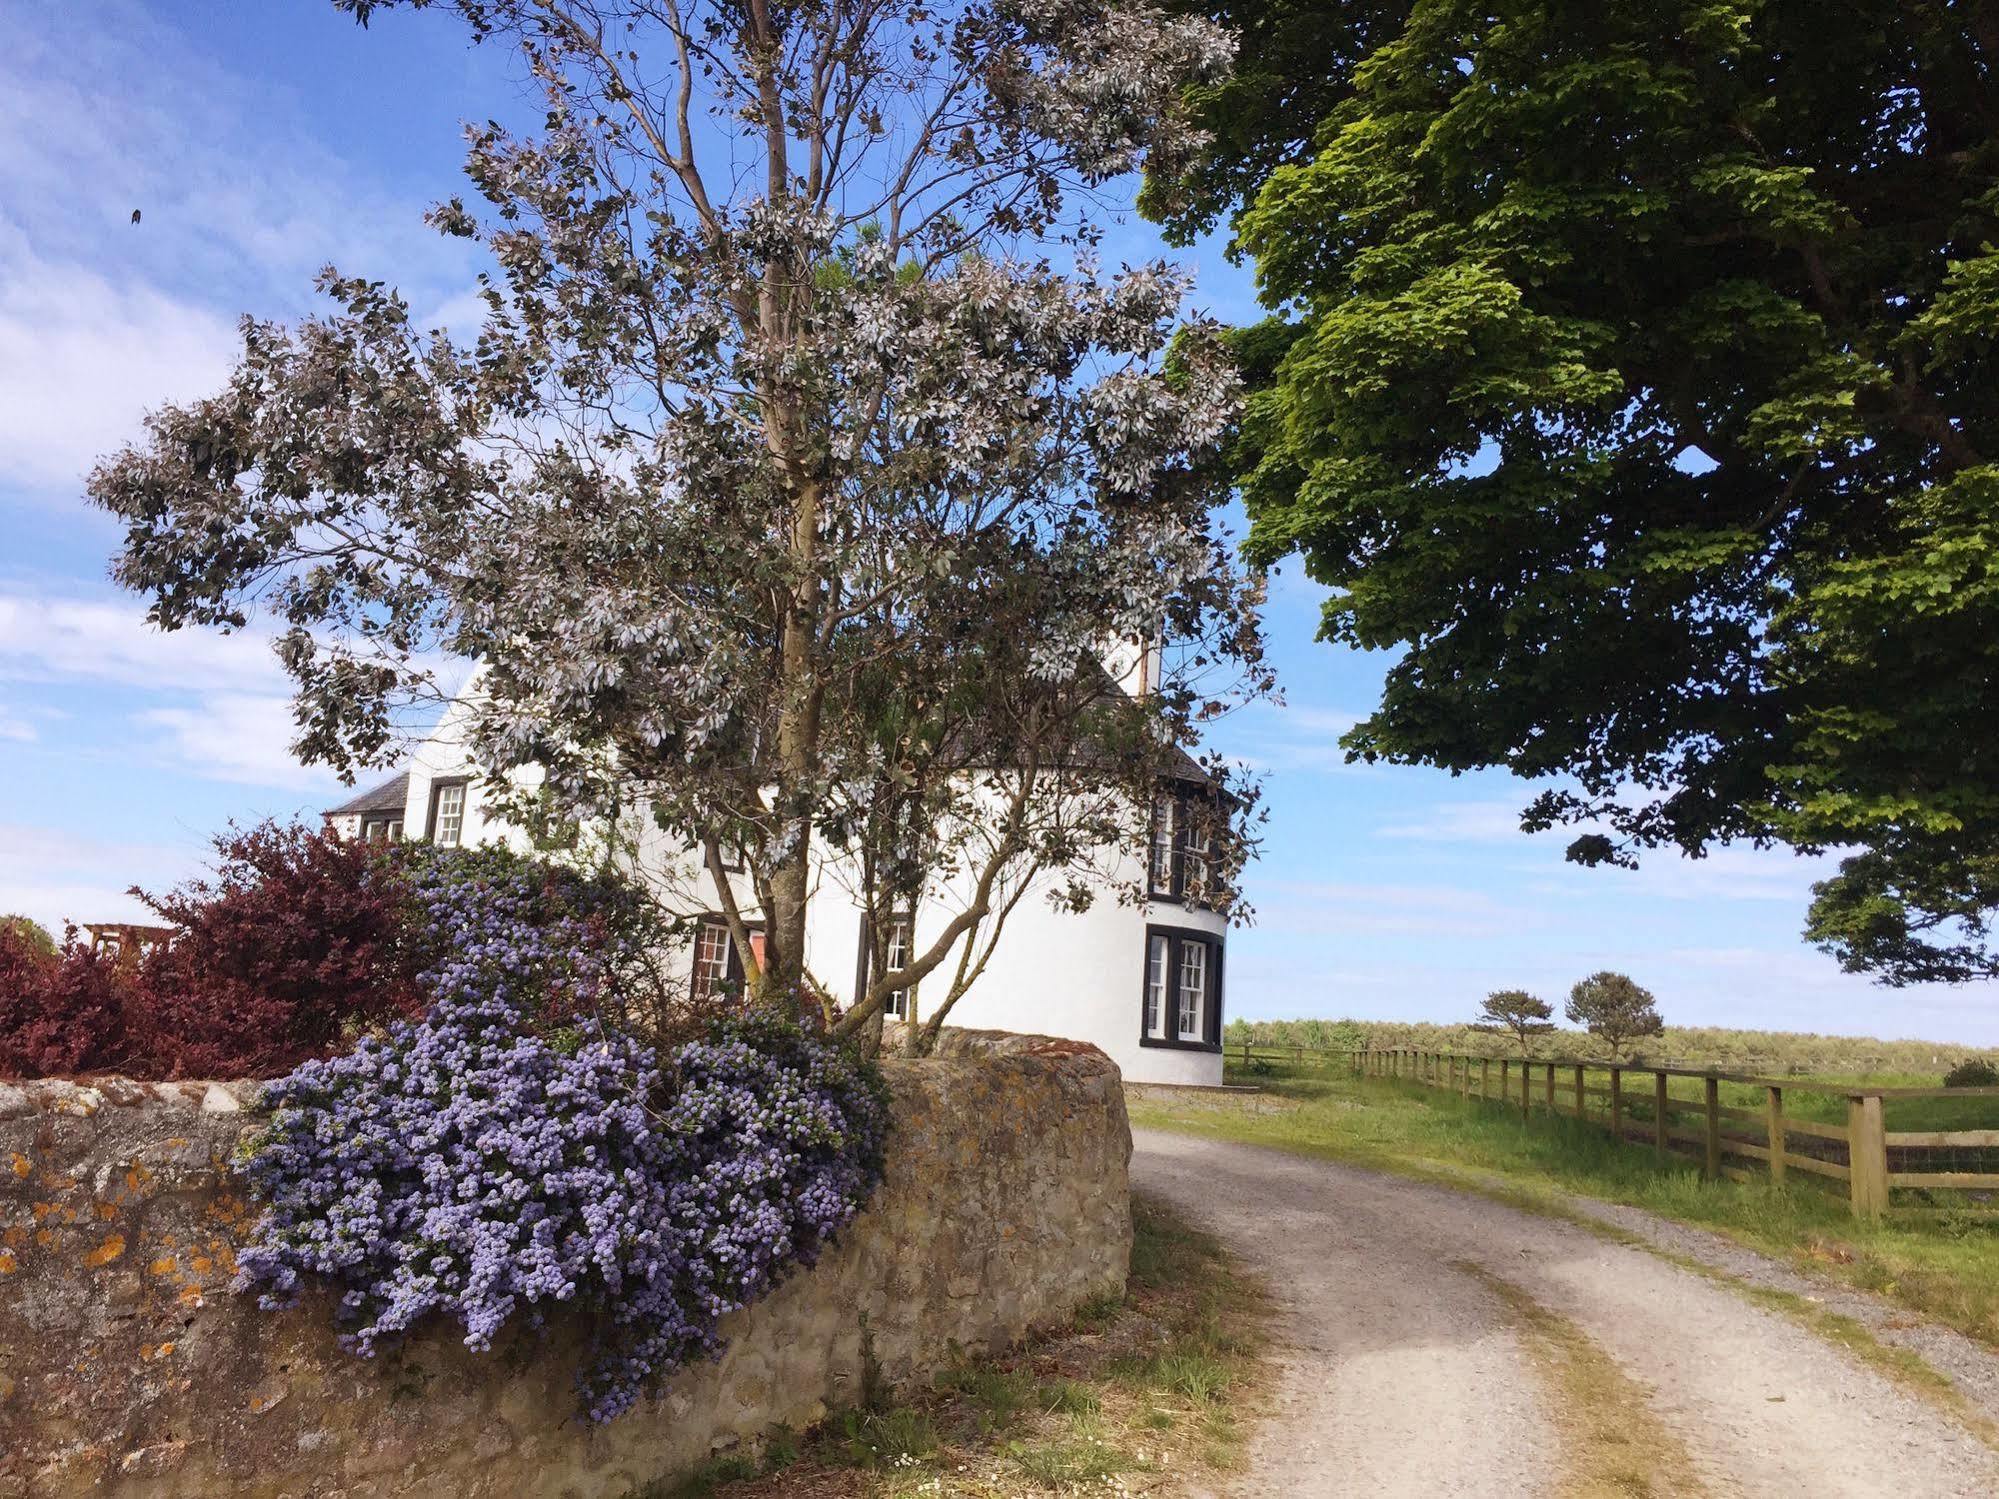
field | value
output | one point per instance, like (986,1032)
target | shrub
(511,1152)
(291,947)
(65,1012)
(1973,1072)
(604,965)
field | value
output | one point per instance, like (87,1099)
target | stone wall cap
(83,1097)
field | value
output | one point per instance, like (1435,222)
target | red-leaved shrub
(64,1013)
(291,946)
(295,943)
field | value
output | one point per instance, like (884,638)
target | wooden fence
(1743,1144)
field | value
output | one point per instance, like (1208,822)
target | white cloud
(54,875)
(1736,872)
(82,360)
(1281,737)
(238,737)
(1442,912)
(216,705)
(1461,822)
(46,638)
(104,110)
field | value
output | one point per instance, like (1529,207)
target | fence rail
(1871,1160)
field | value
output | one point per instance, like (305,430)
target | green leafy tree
(1515,1013)
(32,933)
(1614,1009)
(1633,377)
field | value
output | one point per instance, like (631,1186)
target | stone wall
(128,1368)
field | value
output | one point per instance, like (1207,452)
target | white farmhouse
(1143,982)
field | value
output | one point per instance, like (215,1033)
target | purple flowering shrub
(512,1152)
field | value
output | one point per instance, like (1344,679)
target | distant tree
(31,932)
(1517,1013)
(1614,1009)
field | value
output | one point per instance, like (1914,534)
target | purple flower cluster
(485,1165)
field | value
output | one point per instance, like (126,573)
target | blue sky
(261,141)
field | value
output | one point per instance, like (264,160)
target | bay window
(1182,1003)
(1180,855)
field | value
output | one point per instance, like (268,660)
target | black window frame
(391,827)
(437,789)
(1211,1022)
(1190,803)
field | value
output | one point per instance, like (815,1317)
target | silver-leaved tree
(809,485)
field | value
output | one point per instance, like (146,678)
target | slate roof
(387,797)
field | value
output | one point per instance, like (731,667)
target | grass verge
(1947,1269)
(1140,1392)
(1612,1443)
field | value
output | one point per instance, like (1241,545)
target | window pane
(1165,824)
(1156,972)
(1193,989)
(1198,866)
(711,959)
(450,815)
(899,944)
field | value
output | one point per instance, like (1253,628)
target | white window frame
(1190,1008)
(447,827)
(713,945)
(901,943)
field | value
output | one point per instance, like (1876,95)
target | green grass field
(1775,1053)
(1944,1264)
(1810,1096)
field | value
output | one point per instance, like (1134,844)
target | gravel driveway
(1405,1367)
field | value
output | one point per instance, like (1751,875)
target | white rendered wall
(1056,973)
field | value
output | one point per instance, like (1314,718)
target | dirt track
(1406,1367)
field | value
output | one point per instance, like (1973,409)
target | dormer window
(1165,861)
(1180,856)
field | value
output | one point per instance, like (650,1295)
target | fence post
(1526,1089)
(1617,1104)
(1866,1155)
(1581,1105)
(1484,1078)
(1659,1115)
(1548,1088)
(1774,1118)
(1713,1100)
